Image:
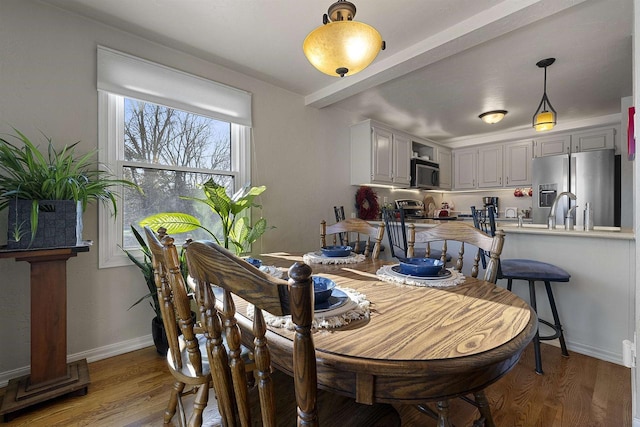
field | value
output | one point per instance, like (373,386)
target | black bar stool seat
(533,271)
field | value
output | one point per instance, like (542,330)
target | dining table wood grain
(418,344)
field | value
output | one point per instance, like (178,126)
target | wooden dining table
(418,344)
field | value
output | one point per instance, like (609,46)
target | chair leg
(536,338)
(509,284)
(483,407)
(556,319)
(443,414)
(178,388)
(201,399)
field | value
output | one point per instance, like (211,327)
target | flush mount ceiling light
(494,116)
(341,45)
(545,116)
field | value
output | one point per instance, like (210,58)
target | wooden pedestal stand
(51,376)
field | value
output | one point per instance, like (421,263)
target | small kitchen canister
(588,217)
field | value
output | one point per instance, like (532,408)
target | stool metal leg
(556,319)
(536,339)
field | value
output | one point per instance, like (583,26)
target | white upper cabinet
(401,170)
(575,142)
(518,162)
(443,157)
(382,155)
(490,166)
(379,155)
(552,145)
(594,139)
(493,166)
(464,170)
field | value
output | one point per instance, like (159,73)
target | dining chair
(361,244)
(187,359)
(467,235)
(353,228)
(464,234)
(486,223)
(220,278)
(531,271)
(396,230)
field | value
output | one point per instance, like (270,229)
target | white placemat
(273,271)
(356,308)
(318,258)
(386,274)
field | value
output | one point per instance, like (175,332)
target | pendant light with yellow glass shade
(545,117)
(342,46)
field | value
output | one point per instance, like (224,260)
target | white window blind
(126,75)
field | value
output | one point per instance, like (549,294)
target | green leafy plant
(237,231)
(146,268)
(26,173)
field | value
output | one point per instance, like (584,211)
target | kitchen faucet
(551,221)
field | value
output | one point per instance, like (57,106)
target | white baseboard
(598,353)
(91,356)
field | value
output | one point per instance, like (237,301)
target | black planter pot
(159,336)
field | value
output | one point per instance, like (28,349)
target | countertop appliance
(589,175)
(425,174)
(412,208)
(488,202)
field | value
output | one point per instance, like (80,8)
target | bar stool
(531,271)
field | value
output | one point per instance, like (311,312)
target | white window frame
(111,135)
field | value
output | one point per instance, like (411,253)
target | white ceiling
(446,61)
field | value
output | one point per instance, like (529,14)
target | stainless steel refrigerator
(589,175)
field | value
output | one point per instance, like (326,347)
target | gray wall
(48,84)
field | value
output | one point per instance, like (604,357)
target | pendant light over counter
(545,117)
(342,46)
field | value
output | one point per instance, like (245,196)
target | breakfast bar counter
(597,305)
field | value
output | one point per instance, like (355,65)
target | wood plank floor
(132,390)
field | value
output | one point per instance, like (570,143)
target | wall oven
(425,174)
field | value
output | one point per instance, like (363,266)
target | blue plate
(254,261)
(336,251)
(337,299)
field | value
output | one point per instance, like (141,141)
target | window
(165,146)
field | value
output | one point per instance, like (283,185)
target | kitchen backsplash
(462,201)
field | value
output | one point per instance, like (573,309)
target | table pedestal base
(21,393)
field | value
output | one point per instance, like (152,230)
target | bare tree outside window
(169,153)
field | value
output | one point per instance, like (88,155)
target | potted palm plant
(235,226)
(47,193)
(146,268)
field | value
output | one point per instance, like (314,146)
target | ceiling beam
(484,26)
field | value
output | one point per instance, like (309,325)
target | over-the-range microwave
(425,174)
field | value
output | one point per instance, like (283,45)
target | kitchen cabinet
(493,166)
(518,162)
(379,155)
(552,145)
(464,170)
(490,166)
(443,157)
(575,142)
(594,139)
